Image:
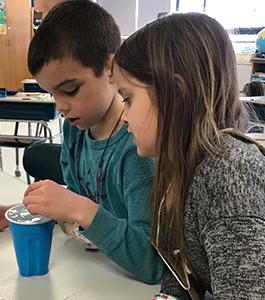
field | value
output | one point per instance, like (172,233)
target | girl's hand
(3,220)
(51,200)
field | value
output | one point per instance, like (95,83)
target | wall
(244,69)
(124,12)
(148,10)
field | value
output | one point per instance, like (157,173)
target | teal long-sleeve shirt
(118,229)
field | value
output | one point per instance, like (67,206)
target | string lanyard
(99,169)
(186,270)
(100,164)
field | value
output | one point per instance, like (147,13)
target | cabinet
(44,5)
(14,44)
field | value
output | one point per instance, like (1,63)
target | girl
(179,82)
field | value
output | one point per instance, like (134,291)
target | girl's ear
(181,83)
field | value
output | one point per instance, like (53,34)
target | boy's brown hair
(77,29)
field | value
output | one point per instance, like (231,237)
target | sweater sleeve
(225,226)
(236,258)
(125,240)
(234,234)
(235,251)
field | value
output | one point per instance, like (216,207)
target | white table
(254,99)
(74,273)
(35,108)
(258,136)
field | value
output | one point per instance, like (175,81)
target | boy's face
(80,96)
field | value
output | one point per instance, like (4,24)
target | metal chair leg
(17,172)
(1,160)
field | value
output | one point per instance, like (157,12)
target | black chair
(256,110)
(42,161)
(17,142)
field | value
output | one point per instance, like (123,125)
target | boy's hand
(51,200)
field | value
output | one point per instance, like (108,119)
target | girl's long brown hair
(193,107)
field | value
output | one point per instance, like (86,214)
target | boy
(108,183)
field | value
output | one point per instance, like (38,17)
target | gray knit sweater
(224,221)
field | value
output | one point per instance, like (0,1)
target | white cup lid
(20,215)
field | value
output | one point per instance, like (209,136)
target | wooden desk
(74,274)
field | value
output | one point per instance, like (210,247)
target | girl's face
(139,112)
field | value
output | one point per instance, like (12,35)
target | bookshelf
(258,68)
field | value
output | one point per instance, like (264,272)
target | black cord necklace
(100,164)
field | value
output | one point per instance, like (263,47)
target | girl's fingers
(3,224)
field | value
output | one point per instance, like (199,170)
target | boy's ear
(181,83)
(109,66)
(109,62)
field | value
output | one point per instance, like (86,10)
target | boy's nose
(61,105)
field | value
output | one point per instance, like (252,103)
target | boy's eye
(73,92)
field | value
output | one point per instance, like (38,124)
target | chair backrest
(254,88)
(42,161)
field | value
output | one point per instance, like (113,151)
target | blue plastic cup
(32,239)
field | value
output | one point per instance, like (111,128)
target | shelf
(258,65)
(257,60)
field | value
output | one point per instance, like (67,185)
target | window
(243,19)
